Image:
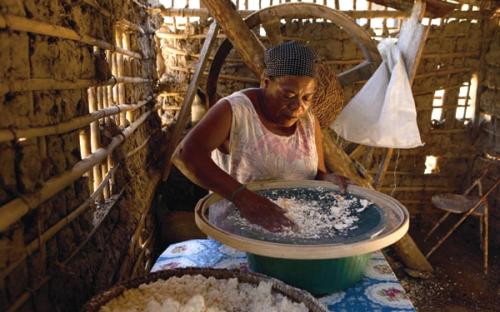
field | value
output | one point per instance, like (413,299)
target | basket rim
(294,294)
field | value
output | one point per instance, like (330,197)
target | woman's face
(288,98)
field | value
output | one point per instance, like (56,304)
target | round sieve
(381,224)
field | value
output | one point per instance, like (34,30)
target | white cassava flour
(196,293)
(311,219)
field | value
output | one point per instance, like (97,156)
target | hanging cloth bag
(382,113)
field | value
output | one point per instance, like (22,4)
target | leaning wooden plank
(411,44)
(339,162)
(246,42)
(14,210)
(185,112)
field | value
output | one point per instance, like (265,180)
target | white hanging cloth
(382,113)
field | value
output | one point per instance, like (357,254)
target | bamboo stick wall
(444,83)
(77,120)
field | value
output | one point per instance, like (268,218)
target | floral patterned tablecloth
(379,290)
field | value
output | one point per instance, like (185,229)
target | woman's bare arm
(193,158)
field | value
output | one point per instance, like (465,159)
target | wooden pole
(185,112)
(339,162)
(411,44)
(104,165)
(127,66)
(14,210)
(245,41)
(24,85)
(23,24)
(70,125)
(114,72)
(85,151)
(120,71)
(94,135)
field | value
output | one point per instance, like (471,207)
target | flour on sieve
(313,220)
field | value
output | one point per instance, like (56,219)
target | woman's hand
(260,210)
(340,180)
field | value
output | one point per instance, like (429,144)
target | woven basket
(329,96)
(290,292)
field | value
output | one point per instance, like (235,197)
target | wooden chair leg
(485,237)
(436,226)
(482,201)
(481,232)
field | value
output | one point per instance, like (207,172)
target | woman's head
(290,83)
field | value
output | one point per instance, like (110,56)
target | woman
(256,134)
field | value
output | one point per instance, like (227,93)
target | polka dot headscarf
(289,59)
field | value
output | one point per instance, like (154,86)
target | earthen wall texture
(93,251)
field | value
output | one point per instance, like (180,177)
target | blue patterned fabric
(379,290)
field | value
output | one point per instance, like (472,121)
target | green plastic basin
(319,277)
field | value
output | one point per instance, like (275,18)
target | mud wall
(66,247)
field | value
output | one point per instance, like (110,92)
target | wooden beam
(245,41)
(339,162)
(273,30)
(435,8)
(411,43)
(188,99)
(203,13)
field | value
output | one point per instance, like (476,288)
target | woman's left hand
(340,180)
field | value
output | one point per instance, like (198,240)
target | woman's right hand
(260,210)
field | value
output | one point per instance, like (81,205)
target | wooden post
(188,99)
(120,73)
(103,166)
(94,136)
(245,41)
(114,72)
(127,66)
(411,44)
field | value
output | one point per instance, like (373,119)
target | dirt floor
(458,283)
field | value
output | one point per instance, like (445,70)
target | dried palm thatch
(329,97)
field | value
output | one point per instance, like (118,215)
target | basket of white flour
(204,290)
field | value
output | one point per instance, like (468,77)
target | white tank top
(257,154)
